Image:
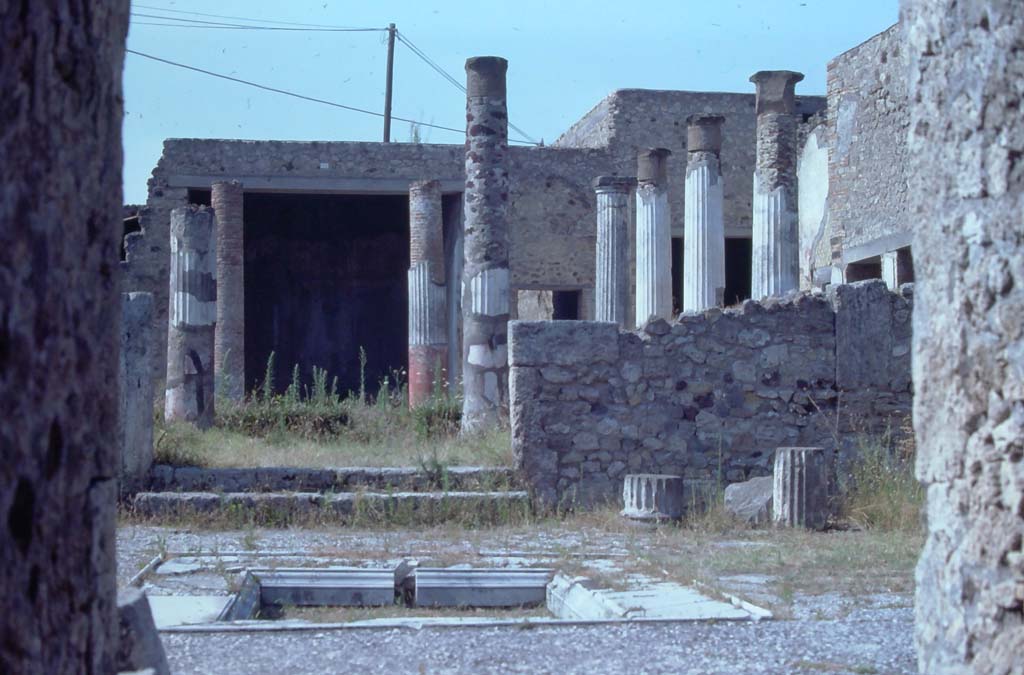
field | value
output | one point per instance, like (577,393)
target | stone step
(164,478)
(284,508)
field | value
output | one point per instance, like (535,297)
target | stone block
(800,494)
(751,501)
(139,646)
(653,497)
(136,390)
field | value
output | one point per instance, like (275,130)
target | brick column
(611,286)
(428,306)
(485,300)
(191,317)
(704,233)
(229,336)
(653,238)
(776,231)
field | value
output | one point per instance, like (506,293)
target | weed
(880,490)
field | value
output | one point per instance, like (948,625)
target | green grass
(880,490)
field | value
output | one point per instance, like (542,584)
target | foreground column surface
(800,490)
(229,335)
(704,229)
(648,496)
(776,236)
(611,287)
(653,237)
(966,203)
(60,309)
(191,317)
(485,287)
(136,386)
(428,308)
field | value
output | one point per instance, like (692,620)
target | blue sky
(564,56)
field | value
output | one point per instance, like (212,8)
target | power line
(242,18)
(198,23)
(446,75)
(295,95)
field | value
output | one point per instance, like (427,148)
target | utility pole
(387,85)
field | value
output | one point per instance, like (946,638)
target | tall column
(653,237)
(611,287)
(965,200)
(191,317)
(776,235)
(136,380)
(485,287)
(428,306)
(704,233)
(229,336)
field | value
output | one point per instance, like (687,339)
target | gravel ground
(867,645)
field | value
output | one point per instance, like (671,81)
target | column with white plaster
(776,236)
(192,314)
(704,229)
(653,237)
(485,287)
(611,287)
(428,306)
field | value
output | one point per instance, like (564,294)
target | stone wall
(867,116)
(60,221)
(967,197)
(710,395)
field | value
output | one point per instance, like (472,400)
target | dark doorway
(324,276)
(677,275)
(869,268)
(565,305)
(737,270)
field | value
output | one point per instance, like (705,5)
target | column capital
(231,183)
(652,166)
(704,133)
(775,90)
(429,185)
(614,183)
(485,76)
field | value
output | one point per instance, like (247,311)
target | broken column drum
(704,229)
(191,317)
(485,287)
(428,327)
(648,496)
(229,335)
(136,380)
(653,238)
(776,238)
(611,288)
(800,494)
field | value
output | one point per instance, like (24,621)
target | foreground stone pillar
(485,287)
(229,334)
(648,496)
(800,494)
(191,317)
(611,285)
(966,203)
(704,233)
(136,386)
(776,232)
(428,306)
(60,222)
(653,237)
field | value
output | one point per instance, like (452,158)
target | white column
(704,229)
(653,238)
(611,290)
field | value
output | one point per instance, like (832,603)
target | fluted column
(611,286)
(653,237)
(229,334)
(191,317)
(428,327)
(704,229)
(800,494)
(776,236)
(485,288)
